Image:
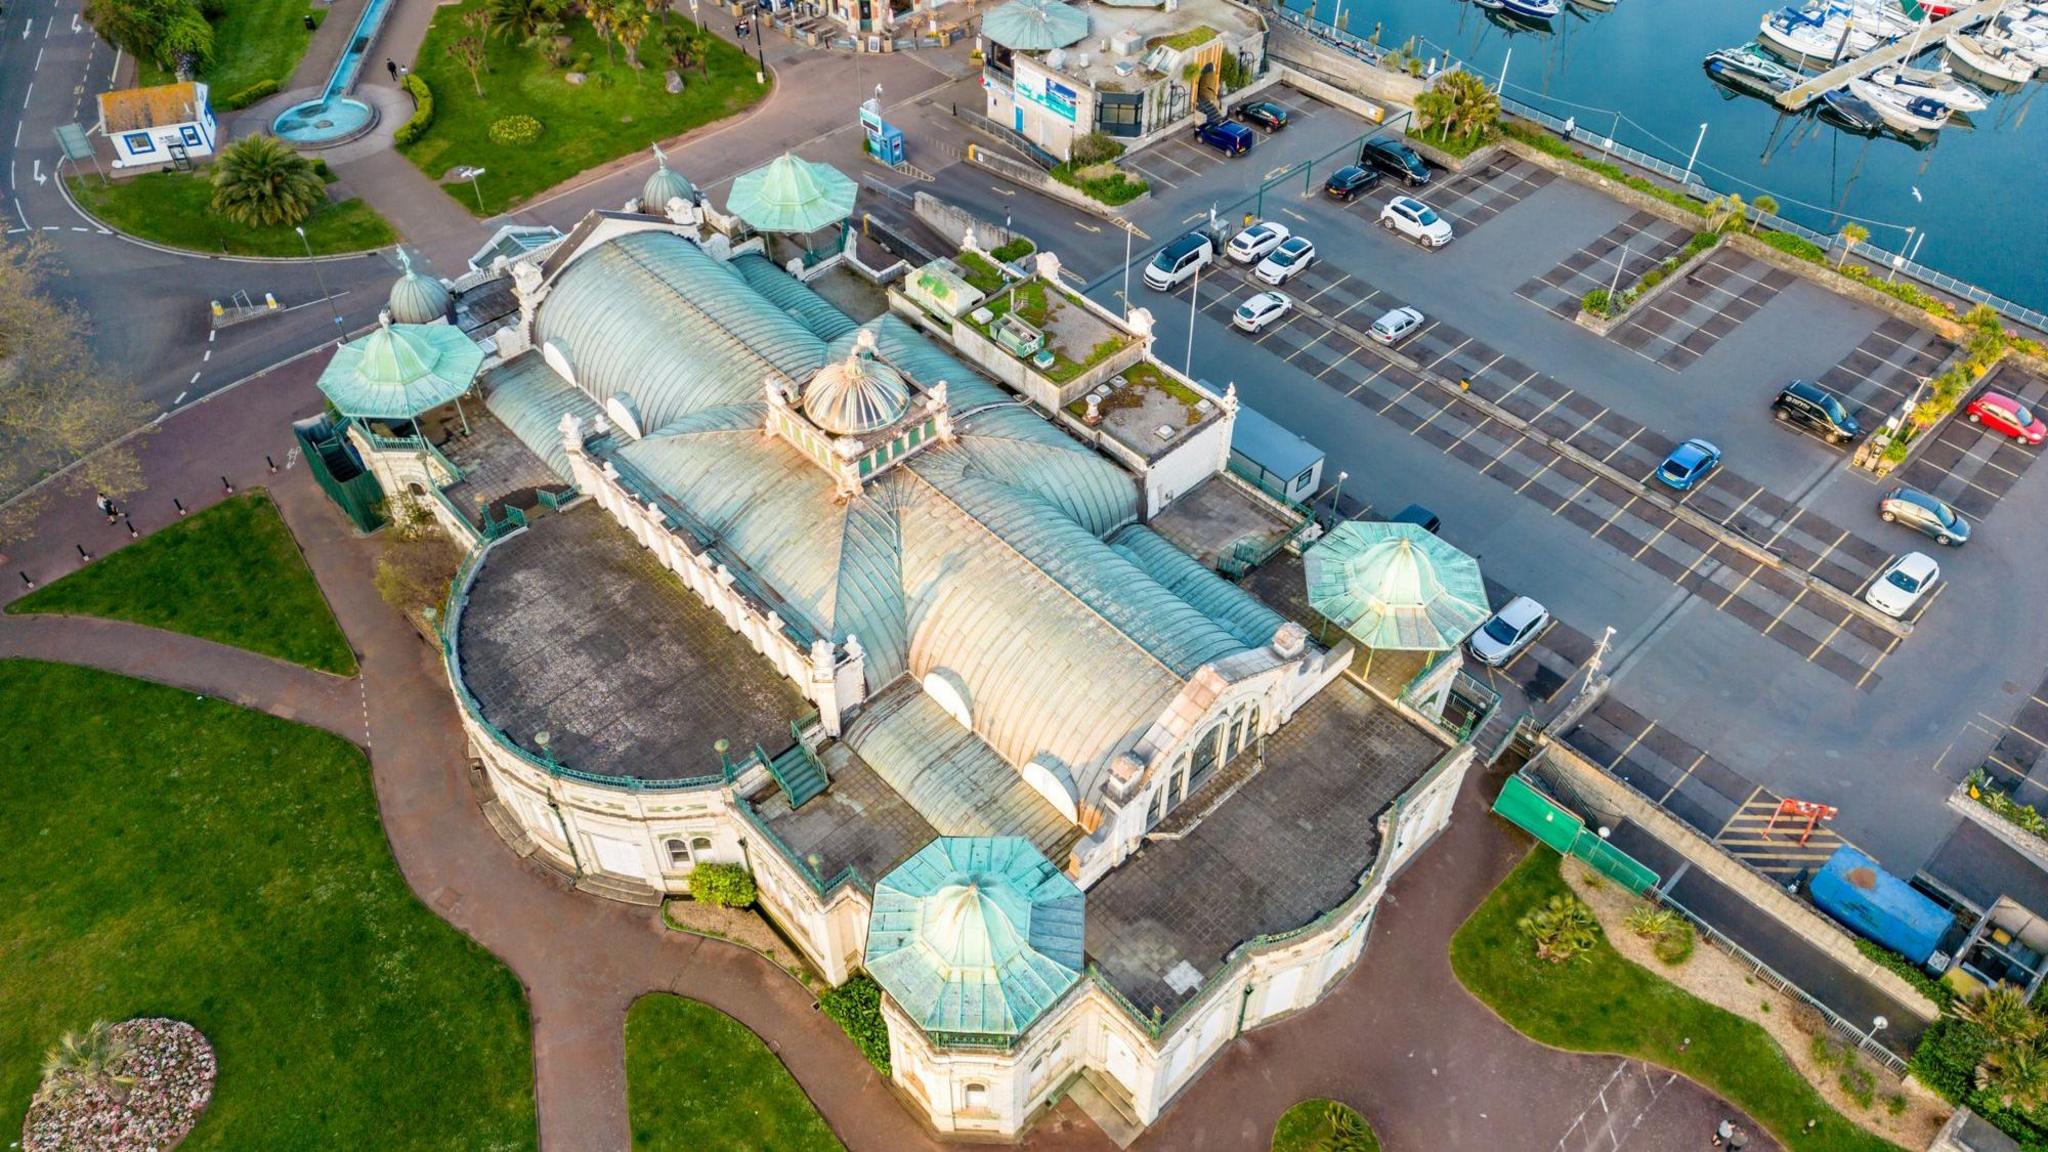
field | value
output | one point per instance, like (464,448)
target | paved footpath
(1430,1066)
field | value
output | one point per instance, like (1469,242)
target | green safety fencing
(339,472)
(1526,807)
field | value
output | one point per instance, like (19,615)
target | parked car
(1814,408)
(1255,314)
(1227,138)
(1416,220)
(1419,516)
(1346,183)
(1502,638)
(1689,464)
(1396,159)
(1251,245)
(1925,514)
(1178,261)
(1264,113)
(2005,414)
(1396,326)
(1902,584)
(1287,261)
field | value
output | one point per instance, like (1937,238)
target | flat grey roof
(1258,439)
(1287,846)
(858,821)
(573,628)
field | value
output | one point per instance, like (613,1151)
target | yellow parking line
(1737,590)
(1830,639)
(1624,444)
(1573,498)
(1367,380)
(1877,663)
(1419,382)
(1619,509)
(1632,744)
(1782,612)
(1684,776)
(1484,420)
(1538,472)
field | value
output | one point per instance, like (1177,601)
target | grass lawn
(697,1078)
(253,40)
(1312,1126)
(613,112)
(170,208)
(231,573)
(1603,1003)
(169,855)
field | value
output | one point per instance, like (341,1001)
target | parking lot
(1493,395)
(1970,466)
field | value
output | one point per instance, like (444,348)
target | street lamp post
(340,332)
(470,174)
(1686,180)
(1127,268)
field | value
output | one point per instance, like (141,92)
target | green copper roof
(791,194)
(976,935)
(401,370)
(1395,586)
(663,185)
(1035,25)
(417,299)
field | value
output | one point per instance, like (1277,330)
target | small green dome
(417,299)
(664,185)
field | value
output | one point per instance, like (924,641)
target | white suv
(1178,261)
(1416,220)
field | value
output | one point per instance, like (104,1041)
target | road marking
(39,61)
(1296,215)
(208,356)
(1002,191)
(179,400)
(17,133)
(1272,172)
(211,333)
(80,228)
(25,95)
(194,379)
(1086,227)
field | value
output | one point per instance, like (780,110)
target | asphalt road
(150,309)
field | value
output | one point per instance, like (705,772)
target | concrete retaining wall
(952,222)
(1306,56)
(1617,799)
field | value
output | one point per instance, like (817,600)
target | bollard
(132,533)
(83,555)
(272,464)
(25,580)
(180,504)
(227,487)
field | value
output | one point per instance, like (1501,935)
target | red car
(2002,413)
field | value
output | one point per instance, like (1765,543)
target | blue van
(1227,138)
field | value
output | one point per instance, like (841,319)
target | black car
(1419,516)
(1263,113)
(1347,182)
(1814,408)
(1385,154)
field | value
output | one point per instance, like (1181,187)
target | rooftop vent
(1056,59)
(1164,432)
(1125,42)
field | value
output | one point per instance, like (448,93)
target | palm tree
(1561,929)
(1765,205)
(2004,1015)
(518,19)
(1468,106)
(91,1059)
(259,182)
(1852,235)
(2016,1073)
(604,20)
(547,39)
(1651,922)
(1725,210)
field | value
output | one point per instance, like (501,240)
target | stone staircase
(617,888)
(1106,1103)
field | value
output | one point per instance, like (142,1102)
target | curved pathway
(1430,1066)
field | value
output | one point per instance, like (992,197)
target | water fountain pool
(334,116)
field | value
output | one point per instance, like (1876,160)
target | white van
(1178,261)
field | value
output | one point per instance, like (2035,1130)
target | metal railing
(847,876)
(1696,188)
(1863,1041)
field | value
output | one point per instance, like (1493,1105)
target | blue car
(1688,464)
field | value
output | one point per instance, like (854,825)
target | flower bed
(1608,306)
(172,1069)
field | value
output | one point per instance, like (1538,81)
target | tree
(138,26)
(1459,104)
(548,40)
(604,20)
(470,49)
(58,409)
(1852,235)
(186,44)
(520,19)
(1765,205)
(632,25)
(2016,1073)
(2004,1015)
(1723,211)
(418,563)
(261,183)
(1561,929)
(89,1060)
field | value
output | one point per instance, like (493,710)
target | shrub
(1947,1057)
(422,111)
(1597,302)
(1675,947)
(1018,248)
(722,886)
(1906,970)
(1096,148)
(856,1006)
(518,128)
(246,96)
(1651,922)
(1112,186)
(1797,246)
(1561,929)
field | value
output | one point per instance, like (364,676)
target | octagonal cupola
(857,395)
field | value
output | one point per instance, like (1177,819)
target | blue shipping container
(1878,905)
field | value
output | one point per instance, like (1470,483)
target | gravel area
(1725,982)
(173,1069)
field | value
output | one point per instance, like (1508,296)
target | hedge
(1906,970)
(1018,248)
(856,1006)
(722,886)
(246,96)
(422,113)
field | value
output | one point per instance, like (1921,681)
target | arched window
(1205,757)
(1155,811)
(1178,783)
(678,853)
(1236,736)
(974,1098)
(416,488)
(699,846)
(1251,728)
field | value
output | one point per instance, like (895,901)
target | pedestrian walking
(100,501)
(1724,1133)
(1739,1140)
(113,513)
(391,66)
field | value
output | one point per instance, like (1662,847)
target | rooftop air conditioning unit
(1204,404)
(1164,432)
(1126,41)
(1126,67)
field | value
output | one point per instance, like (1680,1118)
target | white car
(1416,220)
(1252,244)
(1255,314)
(1396,326)
(1902,584)
(1294,254)
(1508,631)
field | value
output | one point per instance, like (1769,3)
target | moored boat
(1989,59)
(1932,83)
(1532,9)
(1809,34)
(1846,110)
(1901,112)
(1747,69)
